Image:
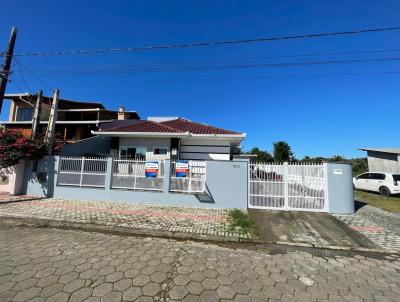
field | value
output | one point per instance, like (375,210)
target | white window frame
(126,147)
(160,147)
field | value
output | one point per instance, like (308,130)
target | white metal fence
(131,174)
(288,186)
(82,171)
(193,182)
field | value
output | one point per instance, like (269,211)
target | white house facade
(174,138)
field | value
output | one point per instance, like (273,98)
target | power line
(33,74)
(315,54)
(212,43)
(132,69)
(22,75)
(277,76)
(16,85)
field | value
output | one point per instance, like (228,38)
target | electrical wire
(212,43)
(276,76)
(138,69)
(22,75)
(33,74)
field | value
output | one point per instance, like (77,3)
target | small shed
(383,159)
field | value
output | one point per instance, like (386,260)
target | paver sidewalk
(379,233)
(146,218)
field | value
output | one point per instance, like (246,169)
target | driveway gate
(300,187)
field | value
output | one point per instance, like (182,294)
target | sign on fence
(151,169)
(182,168)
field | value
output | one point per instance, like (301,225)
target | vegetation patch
(391,203)
(14,147)
(240,222)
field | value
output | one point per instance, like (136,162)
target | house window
(24,114)
(160,151)
(133,152)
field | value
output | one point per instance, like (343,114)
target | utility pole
(51,127)
(36,115)
(7,65)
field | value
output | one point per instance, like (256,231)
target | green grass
(391,203)
(240,222)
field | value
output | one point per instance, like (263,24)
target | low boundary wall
(226,186)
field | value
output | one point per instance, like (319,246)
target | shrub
(14,147)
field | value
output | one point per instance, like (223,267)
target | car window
(377,176)
(364,176)
(396,177)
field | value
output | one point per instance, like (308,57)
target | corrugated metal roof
(62,103)
(384,150)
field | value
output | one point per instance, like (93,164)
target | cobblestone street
(57,265)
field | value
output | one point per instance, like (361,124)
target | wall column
(109,174)
(167,173)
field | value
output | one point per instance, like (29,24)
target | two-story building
(75,119)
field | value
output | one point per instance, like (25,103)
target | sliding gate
(300,187)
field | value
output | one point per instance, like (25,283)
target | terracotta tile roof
(143,126)
(179,125)
(195,128)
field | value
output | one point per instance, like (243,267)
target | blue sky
(320,110)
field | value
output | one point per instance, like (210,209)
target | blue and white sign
(151,169)
(181,168)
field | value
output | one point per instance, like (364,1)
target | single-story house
(160,138)
(383,159)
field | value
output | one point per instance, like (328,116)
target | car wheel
(384,191)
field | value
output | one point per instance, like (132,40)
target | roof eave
(239,136)
(378,150)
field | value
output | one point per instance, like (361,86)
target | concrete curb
(111,229)
(124,231)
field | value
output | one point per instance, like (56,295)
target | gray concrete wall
(92,145)
(340,188)
(383,162)
(226,187)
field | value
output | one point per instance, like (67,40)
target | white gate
(300,187)
(131,174)
(82,171)
(194,182)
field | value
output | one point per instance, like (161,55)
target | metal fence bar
(82,171)
(195,180)
(288,186)
(130,174)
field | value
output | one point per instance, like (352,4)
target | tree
(338,159)
(14,147)
(263,156)
(282,152)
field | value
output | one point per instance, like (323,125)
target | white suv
(384,183)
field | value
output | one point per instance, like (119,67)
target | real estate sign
(151,169)
(181,168)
